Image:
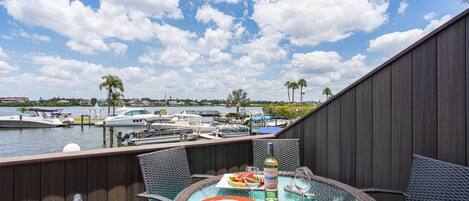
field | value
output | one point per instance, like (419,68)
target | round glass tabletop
(319,191)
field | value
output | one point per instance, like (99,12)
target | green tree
(327,92)
(287,84)
(115,98)
(293,86)
(237,98)
(112,84)
(302,83)
(93,101)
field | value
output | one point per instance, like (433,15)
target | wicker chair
(286,151)
(432,179)
(165,173)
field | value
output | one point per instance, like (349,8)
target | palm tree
(287,84)
(327,92)
(237,98)
(111,83)
(293,86)
(115,98)
(302,83)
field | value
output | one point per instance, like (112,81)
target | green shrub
(292,110)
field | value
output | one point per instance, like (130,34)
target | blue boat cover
(268,130)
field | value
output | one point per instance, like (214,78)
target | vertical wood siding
(417,102)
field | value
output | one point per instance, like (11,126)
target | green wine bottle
(271,174)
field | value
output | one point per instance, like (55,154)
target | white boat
(32,118)
(65,117)
(228,131)
(134,117)
(160,135)
(185,120)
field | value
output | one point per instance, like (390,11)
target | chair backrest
(286,151)
(165,172)
(432,179)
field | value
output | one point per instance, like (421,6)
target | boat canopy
(44,110)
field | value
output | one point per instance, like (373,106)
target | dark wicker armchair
(287,151)
(433,180)
(165,173)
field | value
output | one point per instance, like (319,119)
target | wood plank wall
(415,103)
(115,177)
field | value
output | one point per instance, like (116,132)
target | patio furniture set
(167,177)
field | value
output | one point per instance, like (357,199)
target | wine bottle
(271,174)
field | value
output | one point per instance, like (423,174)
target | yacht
(185,120)
(65,117)
(31,118)
(160,135)
(228,131)
(134,117)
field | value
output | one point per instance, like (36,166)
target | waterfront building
(14,100)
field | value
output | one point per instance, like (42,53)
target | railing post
(81,122)
(111,136)
(21,121)
(104,132)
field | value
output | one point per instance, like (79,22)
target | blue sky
(204,49)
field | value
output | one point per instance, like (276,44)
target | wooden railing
(416,102)
(109,174)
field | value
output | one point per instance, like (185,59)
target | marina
(28,141)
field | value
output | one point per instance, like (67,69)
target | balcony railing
(110,174)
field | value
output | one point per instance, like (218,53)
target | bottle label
(271,178)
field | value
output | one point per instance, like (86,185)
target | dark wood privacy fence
(109,174)
(417,102)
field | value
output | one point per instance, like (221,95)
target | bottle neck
(270,150)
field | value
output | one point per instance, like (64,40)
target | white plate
(223,183)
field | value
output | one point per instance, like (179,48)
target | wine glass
(302,182)
(252,178)
(77,197)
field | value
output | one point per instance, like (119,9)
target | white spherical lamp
(71,147)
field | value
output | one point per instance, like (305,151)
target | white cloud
(206,14)
(171,56)
(87,28)
(239,30)
(3,54)
(215,39)
(119,48)
(178,57)
(35,37)
(155,9)
(429,16)
(322,69)
(312,26)
(173,36)
(216,55)
(5,67)
(76,78)
(392,43)
(402,7)
(226,1)
(248,67)
(264,49)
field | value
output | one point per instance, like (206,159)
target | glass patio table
(322,189)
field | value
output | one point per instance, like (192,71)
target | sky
(204,49)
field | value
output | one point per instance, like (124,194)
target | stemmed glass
(302,182)
(251,178)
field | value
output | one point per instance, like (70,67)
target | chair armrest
(200,177)
(382,190)
(153,196)
(205,176)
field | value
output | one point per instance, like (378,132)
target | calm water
(16,142)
